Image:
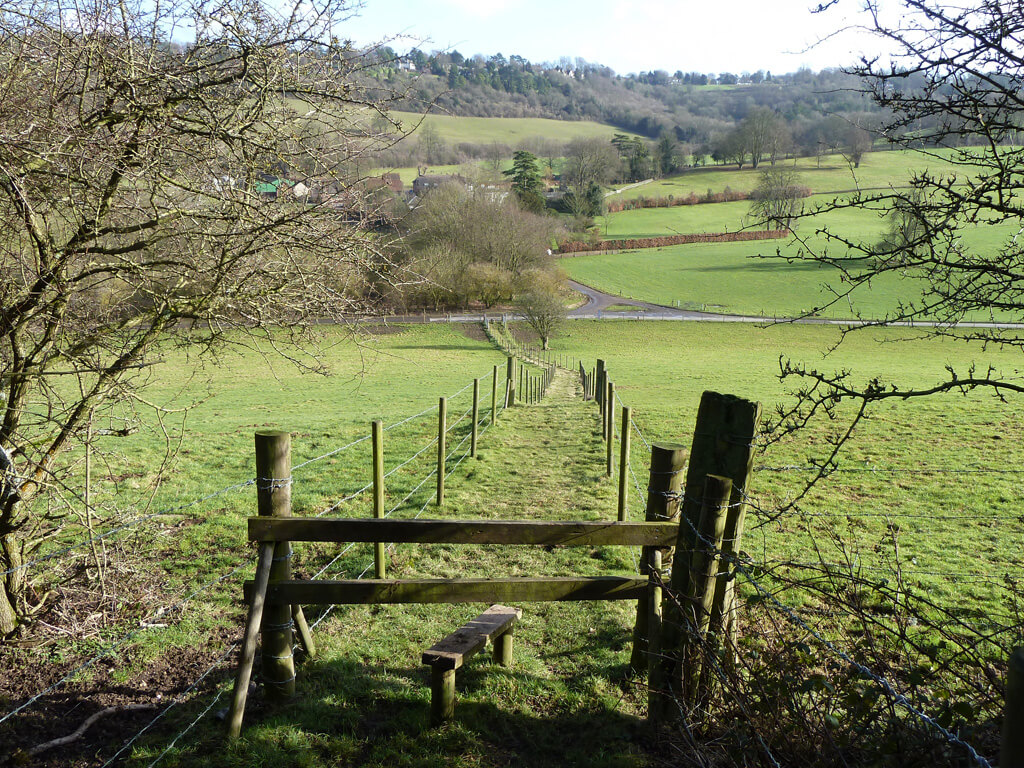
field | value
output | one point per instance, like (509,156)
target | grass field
(565,700)
(507,130)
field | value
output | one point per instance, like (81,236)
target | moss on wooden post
(723,444)
(273,499)
(666,478)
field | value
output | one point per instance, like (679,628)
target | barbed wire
(916,470)
(887,687)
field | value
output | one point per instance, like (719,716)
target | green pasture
(944,471)
(566,699)
(506,130)
(878,170)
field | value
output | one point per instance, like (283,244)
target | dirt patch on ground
(474,331)
(61,711)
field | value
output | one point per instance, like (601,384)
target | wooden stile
(526,532)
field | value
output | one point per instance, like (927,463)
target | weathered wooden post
(609,432)
(666,479)
(377,437)
(624,461)
(723,445)
(476,418)
(510,382)
(1011,755)
(599,386)
(655,684)
(442,448)
(274,499)
(521,389)
(494,395)
(703,576)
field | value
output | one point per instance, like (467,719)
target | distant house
(426,182)
(268,186)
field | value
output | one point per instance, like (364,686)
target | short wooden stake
(502,653)
(666,479)
(442,695)
(442,448)
(624,430)
(377,435)
(1011,755)
(273,499)
(476,419)
(609,434)
(302,629)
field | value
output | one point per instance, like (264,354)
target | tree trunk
(12,583)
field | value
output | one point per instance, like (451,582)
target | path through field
(567,698)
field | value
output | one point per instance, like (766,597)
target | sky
(627,35)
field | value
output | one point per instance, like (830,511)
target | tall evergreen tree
(526,183)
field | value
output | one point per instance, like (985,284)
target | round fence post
(609,430)
(494,395)
(476,418)
(442,448)
(624,428)
(377,433)
(274,499)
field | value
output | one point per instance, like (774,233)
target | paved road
(596,308)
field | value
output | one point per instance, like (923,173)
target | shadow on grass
(351,714)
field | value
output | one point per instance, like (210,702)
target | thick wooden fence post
(476,418)
(666,479)
(521,389)
(609,432)
(599,388)
(1011,755)
(494,395)
(377,434)
(624,462)
(723,445)
(442,448)
(274,499)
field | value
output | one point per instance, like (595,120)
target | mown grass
(565,700)
(950,466)
(507,130)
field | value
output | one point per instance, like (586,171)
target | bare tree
(778,198)
(954,95)
(588,163)
(542,305)
(148,195)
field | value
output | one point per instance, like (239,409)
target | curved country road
(596,308)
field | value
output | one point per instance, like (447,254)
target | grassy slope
(508,130)
(365,700)
(726,277)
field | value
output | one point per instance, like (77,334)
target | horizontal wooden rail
(655,534)
(517,590)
